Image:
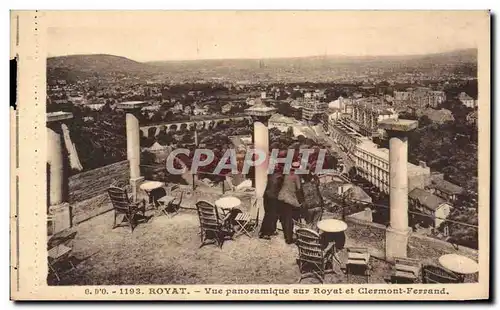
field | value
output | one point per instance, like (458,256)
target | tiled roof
(445,186)
(464,96)
(357,193)
(430,201)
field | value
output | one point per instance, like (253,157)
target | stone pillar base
(396,243)
(135,183)
(61,218)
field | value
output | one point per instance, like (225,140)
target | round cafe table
(149,187)
(227,203)
(332,225)
(333,231)
(459,264)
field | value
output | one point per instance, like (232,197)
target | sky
(184,35)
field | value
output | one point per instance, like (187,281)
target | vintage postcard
(250,155)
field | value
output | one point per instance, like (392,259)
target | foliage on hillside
(450,148)
(99,136)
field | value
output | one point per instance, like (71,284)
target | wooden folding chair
(123,205)
(312,255)
(247,221)
(436,274)
(358,258)
(212,227)
(57,255)
(171,203)
(406,270)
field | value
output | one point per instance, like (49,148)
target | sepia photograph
(231,154)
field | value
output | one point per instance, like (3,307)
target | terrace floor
(166,251)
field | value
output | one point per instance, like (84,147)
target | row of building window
(372,160)
(375,172)
(380,184)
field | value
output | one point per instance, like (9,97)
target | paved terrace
(166,251)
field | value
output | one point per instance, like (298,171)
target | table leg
(336,258)
(336,239)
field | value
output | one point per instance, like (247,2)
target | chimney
(263,95)
(422,164)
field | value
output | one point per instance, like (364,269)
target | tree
(165,138)
(187,138)
(157,117)
(169,116)
(424,120)
(106,108)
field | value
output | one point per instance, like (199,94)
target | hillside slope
(98,62)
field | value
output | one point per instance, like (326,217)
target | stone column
(132,109)
(261,114)
(261,143)
(398,232)
(57,172)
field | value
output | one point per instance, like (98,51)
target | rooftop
(428,200)
(358,194)
(278,118)
(58,116)
(259,108)
(445,186)
(131,105)
(464,96)
(372,148)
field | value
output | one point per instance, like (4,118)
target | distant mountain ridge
(466,55)
(96,62)
(102,64)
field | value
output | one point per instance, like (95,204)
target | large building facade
(420,97)
(467,100)
(346,136)
(312,109)
(372,163)
(368,112)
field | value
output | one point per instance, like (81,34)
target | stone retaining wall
(92,183)
(426,249)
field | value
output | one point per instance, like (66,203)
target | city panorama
(367,166)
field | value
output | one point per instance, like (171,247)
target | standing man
(271,204)
(289,201)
